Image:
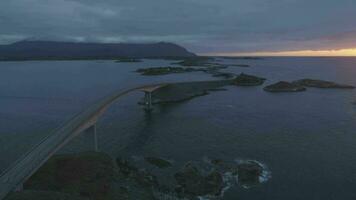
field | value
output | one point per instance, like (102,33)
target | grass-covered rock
(87,175)
(179,92)
(128,60)
(158,162)
(248,80)
(284,86)
(321,84)
(42,195)
(164,70)
(191,182)
(249,173)
(195,61)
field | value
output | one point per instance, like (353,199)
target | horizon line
(350,52)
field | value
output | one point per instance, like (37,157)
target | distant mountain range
(49,50)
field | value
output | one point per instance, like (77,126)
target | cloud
(201,25)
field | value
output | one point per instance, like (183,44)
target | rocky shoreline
(96,176)
(284,86)
(302,84)
(179,92)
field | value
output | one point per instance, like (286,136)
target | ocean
(306,140)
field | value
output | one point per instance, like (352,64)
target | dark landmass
(249,173)
(242,58)
(321,84)
(284,86)
(88,175)
(128,60)
(248,80)
(195,61)
(237,65)
(179,92)
(165,70)
(42,195)
(192,183)
(214,71)
(205,62)
(300,85)
(94,176)
(225,75)
(49,50)
(158,162)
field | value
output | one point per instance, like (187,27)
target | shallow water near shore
(307,140)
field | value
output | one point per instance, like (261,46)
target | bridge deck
(152,88)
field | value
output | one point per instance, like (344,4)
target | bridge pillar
(148,100)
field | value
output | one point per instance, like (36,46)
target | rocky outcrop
(133,174)
(153,71)
(249,173)
(87,174)
(158,162)
(284,86)
(248,80)
(128,60)
(42,195)
(321,84)
(192,183)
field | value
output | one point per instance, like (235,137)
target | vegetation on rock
(192,183)
(128,60)
(284,86)
(158,162)
(248,80)
(164,70)
(42,195)
(321,84)
(87,174)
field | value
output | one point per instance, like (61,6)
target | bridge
(13,178)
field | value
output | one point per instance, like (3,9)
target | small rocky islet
(284,86)
(128,60)
(93,175)
(153,71)
(302,84)
(179,92)
(205,62)
(322,84)
(248,80)
(158,162)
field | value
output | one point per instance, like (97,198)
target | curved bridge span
(14,177)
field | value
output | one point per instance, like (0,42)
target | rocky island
(195,61)
(248,80)
(96,176)
(165,70)
(128,60)
(321,84)
(284,86)
(302,84)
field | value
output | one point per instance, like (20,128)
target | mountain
(48,50)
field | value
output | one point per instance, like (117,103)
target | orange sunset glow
(316,53)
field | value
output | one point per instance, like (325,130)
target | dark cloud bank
(203,26)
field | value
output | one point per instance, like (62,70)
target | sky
(206,27)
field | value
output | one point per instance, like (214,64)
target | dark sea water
(307,140)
